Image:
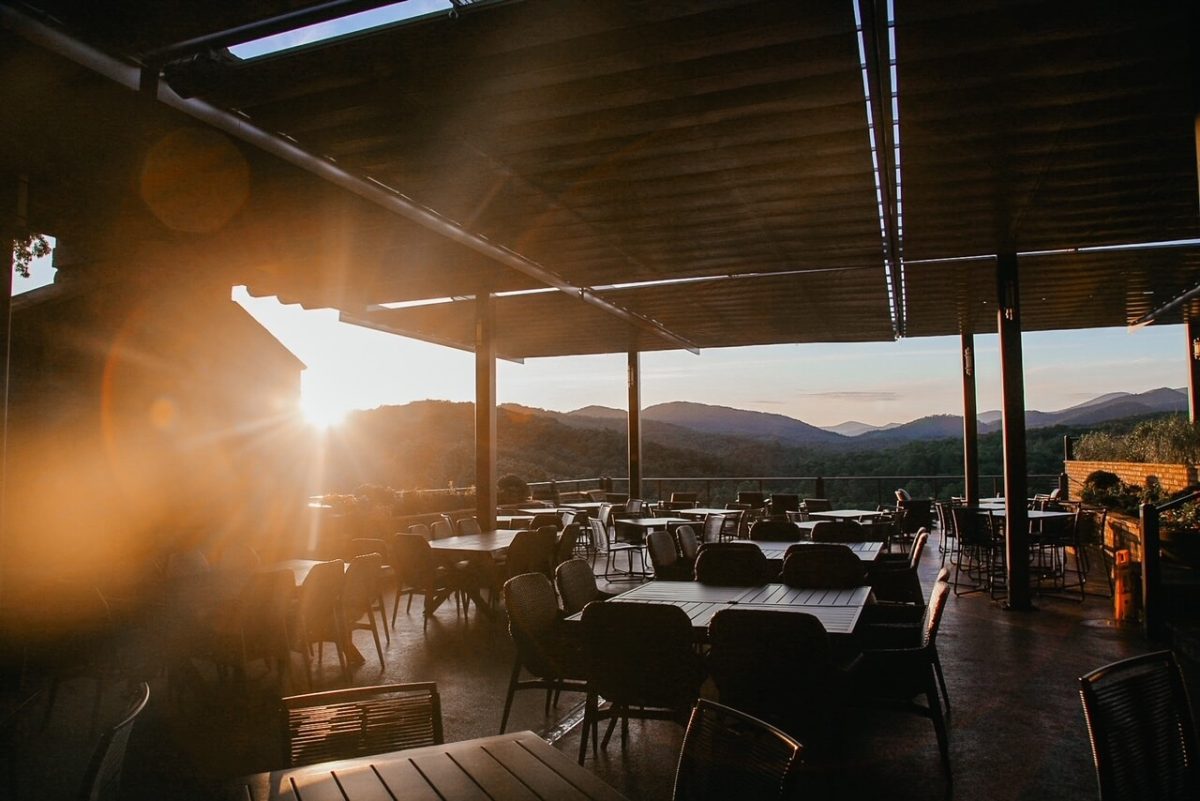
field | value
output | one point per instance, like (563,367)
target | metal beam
(970,421)
(1193,360)
(635,424)
(485,411)
(1012,384)
(287,150)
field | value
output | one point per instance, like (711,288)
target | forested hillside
(430,444)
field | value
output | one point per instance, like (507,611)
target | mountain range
(678,422)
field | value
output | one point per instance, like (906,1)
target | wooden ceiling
(706,166)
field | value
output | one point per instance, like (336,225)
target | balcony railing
(845,491)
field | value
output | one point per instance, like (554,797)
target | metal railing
(850,491)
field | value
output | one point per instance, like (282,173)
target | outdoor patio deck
(1016,729)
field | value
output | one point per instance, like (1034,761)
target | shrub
(1170,439)
(1102,488)
(511,489)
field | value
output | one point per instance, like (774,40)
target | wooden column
(970,421)
(1193,357)
(635,424)
(1012,383)
(485,411)
(12,224)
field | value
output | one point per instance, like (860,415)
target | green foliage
(1168,439)
(511,489)
(1102,488)
(27,248)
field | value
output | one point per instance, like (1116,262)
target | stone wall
(1172,477)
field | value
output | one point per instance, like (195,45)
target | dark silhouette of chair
(841,531)
(468,525)
(729,754)
(387,571)
(665,558)
(731,564)
(102,778)
(547,647)
(361,721)
(817,505)
(897,580)
(753,499)
(319,614)
(1051,542)
(532,552)
(684,500)
(1089,531)
(545,519)
(360,591)
(576,584)
(980,551)
(421,530)
(419,574)
(775,529)
(689,545)
(565,549)
(714,525)
(1140,724)
(822,565)
(945,518)
(900,674)
(918,514)
(441,529)
(639,657)
(783,505)
(774,665)
(256,626)
(605,544)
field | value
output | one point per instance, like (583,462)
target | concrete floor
(1016,730)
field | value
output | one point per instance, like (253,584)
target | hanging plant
(27,248)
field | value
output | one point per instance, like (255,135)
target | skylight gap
(331,29)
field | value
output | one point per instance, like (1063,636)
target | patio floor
(1016,729)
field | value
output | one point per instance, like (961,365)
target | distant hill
(741,423)
(853,428)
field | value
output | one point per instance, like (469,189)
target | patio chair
(576,585)
(361,721)
(665,558)
(689,545)
(1140,724)
(605,544)
(546,647)
(918,514)
(980,551)
(639,657)
(546,519)
(896,580)
(387,571)
(256,625)
(822,566)
(420,574)
(842,531)
(945,521)
(783,505)
(731,564)
(441,529)
(684,500)
(897,675)
(817,505)
(102,778)
(319,615)
(714,525)
(776,666)
(775,529)
(1051,542)
(1089,531)
(468,525)
(360,594)
(729,754)
(422,530)
(565,549)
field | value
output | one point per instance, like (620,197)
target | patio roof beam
(287,150)
(485,411)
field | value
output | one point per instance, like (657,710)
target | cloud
(766,403)
(861,397)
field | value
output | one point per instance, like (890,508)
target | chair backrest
(661,546)
(532,552)
(604,513)
(320,595)
(441,529)
(238,557)
(817,505)
(775,530)
(186,563)
(545,519)
(917,549)
(770,663)
(641,654)
(731,564)
(468,525)
(781,504)
(566,543)
(361,545)
(1089,524)
(840,531)
(412,559)
(712,528)
(576,584)
(598,535)
(971,527)
(1140,724)
(262,612)
(360,587)
(532,620)
(340,724)
(684,498)
(420,529)
(729,754)
(945,520)
(902,495)
(634,506)
(689,546)
(935,608)
(102,779)
(918,513)
(823,566)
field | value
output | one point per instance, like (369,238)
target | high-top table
(514,765)
(838,610)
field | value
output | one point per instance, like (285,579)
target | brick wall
(1172,477)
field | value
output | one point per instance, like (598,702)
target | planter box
(1171,477)
(1123,531)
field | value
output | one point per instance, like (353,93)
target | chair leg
(937,666)
(375,634)
(512,690)
(939,723)
(590,709)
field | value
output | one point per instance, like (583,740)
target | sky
(350,367)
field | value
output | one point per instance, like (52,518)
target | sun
(321,409)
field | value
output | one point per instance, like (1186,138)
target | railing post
(708,492)
(1152,611)
(879,492)
(819,488)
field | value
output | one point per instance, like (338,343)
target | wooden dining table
(866,551)
(518,765)
(482,550)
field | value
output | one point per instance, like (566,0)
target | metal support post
(1012,382)
(485,411)
(970,421)
(635,424)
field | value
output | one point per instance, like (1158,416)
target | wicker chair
(639,657)
(783,505)
(665,558)
(900,674)
(102,778)
(546,646)
(897,580)
(1140,724)
(689,545)
(576,584)
(842,531)
(775,529)
(774,665)
(565,549)
(731,564)
(729,754)
(822,565)
(532,552)
(340,724)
